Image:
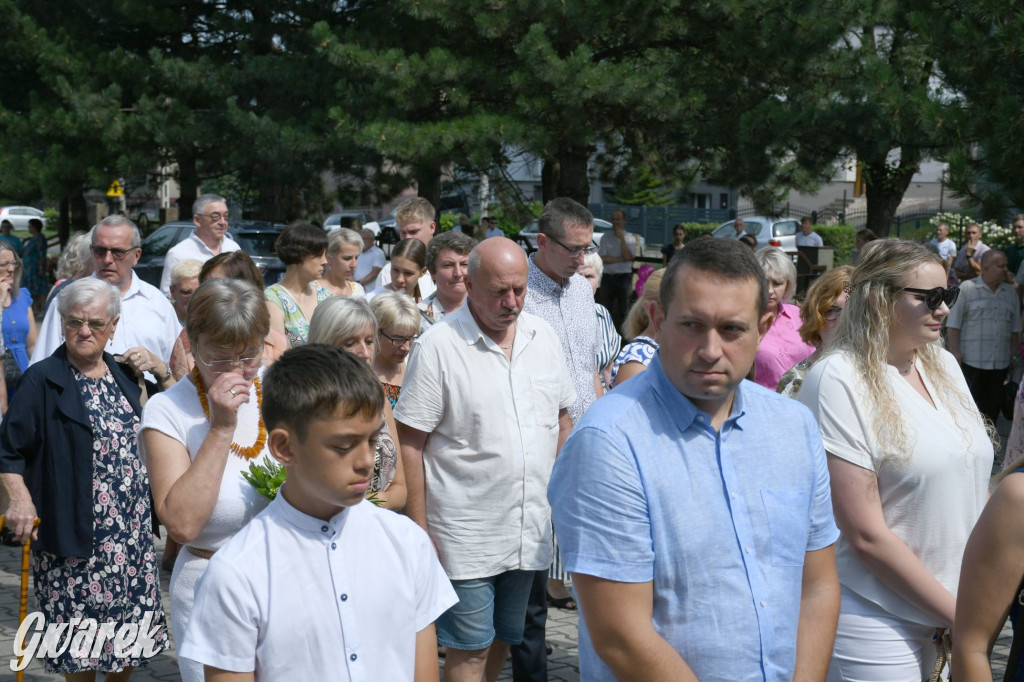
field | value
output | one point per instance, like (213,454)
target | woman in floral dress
(69,455)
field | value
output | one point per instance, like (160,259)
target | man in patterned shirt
(563,298)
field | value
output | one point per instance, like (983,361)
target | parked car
(780,232)
(349,219)
(155,247)
(18,216)
(528,235)
(255,237)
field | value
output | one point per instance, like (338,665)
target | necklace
(261,438)
(910,366)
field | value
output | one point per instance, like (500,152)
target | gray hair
(343,235)
(87,291)
(230,313)
(777,264)
(117,221)
(186,269)
(339,319)
(396,311)
(204,200)
(76,257)
(560,212)
(452,240)
(592,260)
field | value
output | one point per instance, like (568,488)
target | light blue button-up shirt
(645,490)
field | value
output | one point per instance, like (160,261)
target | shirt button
(733,496)
(763,603)
(352,657)
(747,550)
(334,545)
(344,597)
(324,528)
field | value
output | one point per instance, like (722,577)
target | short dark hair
(560,212)
(722,258)
(310,382)
(299,241)
(236,265)
(453,240)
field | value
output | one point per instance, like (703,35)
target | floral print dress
(119,582)
(296,326)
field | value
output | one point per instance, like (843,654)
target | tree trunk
(188,183)
(884,189)
(572,180)
(549,180)
(64,225)
(428,186)
(79,213)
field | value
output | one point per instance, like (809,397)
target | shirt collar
(472,334)
(133,288)
(307,523)
(682,409)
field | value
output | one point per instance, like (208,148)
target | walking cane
(23,601)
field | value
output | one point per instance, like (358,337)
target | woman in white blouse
(909,456)
(200,435)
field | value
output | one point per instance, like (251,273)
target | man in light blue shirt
(693,507)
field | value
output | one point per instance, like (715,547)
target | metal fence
(655,223)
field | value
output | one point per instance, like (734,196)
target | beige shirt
(493,426)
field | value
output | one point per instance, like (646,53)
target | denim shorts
(488,608)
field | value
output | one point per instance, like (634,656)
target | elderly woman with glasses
(399,325)
(782,347)
(69,456)
(349,324)
(201,434)
(820,313)
(909,458)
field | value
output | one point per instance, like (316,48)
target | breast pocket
(545,400)
(787,512)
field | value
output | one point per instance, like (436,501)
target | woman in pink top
(782,347)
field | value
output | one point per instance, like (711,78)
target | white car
(18,216)
(528,235)
(778,232)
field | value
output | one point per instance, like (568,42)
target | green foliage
(267,477)
(641,187)
(843,238)
(694,230)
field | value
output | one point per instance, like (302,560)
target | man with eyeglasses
(149,326)
(983,331)
(617,251)
(563,298)
(210,214)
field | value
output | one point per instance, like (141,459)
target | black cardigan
(46,437)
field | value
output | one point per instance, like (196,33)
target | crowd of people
(725,484)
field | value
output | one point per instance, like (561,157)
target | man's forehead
(113,233)
(705,294)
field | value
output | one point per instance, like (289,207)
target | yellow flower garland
(261,439)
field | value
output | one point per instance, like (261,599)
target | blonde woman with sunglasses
(909,457)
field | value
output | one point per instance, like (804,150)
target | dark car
(255,237)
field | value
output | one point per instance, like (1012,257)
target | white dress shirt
(493,426)
(292,597)
(190,248)
(372,258)
(384,277)
(147,319)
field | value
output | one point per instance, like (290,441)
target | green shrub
(843,238)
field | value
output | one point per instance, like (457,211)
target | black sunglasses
(933,298)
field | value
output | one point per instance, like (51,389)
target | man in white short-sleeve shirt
(807,236)
(210,215)
(414,219)
(482,413)
(148,327)
(370,262)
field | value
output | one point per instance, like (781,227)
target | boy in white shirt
(322,584)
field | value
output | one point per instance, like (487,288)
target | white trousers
(872,645)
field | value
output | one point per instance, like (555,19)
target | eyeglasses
(398,340)
(215,217)
(575,253)
(95,326)
(833,313)
(9,264)
(933,298)
(118,254)
(225,366)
